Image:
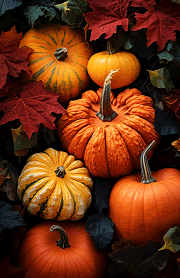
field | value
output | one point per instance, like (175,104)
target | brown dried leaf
(176,144)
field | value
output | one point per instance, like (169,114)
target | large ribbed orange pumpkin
(144,206)
(59,59)
(66,251)
(108,133)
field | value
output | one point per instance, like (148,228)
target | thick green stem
(61,53)
(60,171)
(144,165)
(106,113)
(63,242)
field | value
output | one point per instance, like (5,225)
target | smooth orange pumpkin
(59,59)
(100,64)
(108,133)
(144,206)
(66,251)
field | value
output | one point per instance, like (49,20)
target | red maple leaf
(106,16)
(161,22)
(12,58)
(33,107)
(142,3)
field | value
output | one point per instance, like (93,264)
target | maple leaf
(106,16)
(142,3)
(173,100)
(33,107)
(12,58)
(161,22)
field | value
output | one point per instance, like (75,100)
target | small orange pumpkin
(108,133)
(100,64)
(59,59)
(144,206)
(50,251)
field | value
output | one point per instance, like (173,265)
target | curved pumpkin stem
(144,165)
(60,171)
(63,242)
(106,113)
(61,53)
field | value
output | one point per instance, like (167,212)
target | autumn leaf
(33,107)
(8,270)
(173,100)
(160,78)
(72,12)
(176,144)
(21,142)
(34,12)
(172,240)
(12,58)
(142,3)
(9,5)
(106,16)
(161,22)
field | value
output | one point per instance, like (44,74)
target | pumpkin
(100,64)
(59,59)
(145,205)
(108,133)
(53,185)
(67,251)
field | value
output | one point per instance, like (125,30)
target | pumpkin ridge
(37,74)
(50,36)
(38,38)
(62,40)
(27,186)
(60,207)
(74,202)
(48,83)
(39,59)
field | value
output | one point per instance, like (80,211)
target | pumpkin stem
(106,113)
(144,165)
(63,242)
(60,171)
(61,53)
(111,45)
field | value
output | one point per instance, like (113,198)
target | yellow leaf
(176,144)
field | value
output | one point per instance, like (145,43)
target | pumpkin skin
(109,149)
(68,78)
(42,258)
(100,64)
(145,211)
(50,196)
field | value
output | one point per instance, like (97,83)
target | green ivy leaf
(165,55)
(21,142)
(176,1)
(160,78)
(172,240)
(9,5)
(34,12)
(72,12)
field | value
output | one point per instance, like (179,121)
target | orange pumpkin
(50,251)
(59,59)
(144,206)
(108,133)
(100,64)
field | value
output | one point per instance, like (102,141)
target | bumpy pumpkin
(110,139)
(50,251)
(100,64)
(59,59)
(53,185)
(144,206)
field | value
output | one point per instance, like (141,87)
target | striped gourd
(59,59)
(53,185)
